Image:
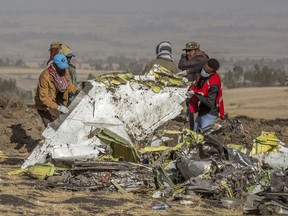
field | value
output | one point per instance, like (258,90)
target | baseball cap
(55,44)
(192,45)
(66,50)
(61,61)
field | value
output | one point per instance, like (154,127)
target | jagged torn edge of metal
(131,110)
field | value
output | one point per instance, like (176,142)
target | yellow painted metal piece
(41,171)
(238,147)
(266,142)
(18,171)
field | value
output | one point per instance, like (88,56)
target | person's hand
(63,109)
(184,79)
(200,93)
(190,93)
(182,73)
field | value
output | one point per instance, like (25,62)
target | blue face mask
(204,74)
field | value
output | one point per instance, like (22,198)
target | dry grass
(267,103)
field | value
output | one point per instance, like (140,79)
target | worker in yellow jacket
(53,88)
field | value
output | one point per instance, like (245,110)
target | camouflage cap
(192,46)
(66,50)
(55,44)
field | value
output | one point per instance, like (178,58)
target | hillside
(97,29)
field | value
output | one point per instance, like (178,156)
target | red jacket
(213,80)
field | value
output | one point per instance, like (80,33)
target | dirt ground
(267,103)
(21,129)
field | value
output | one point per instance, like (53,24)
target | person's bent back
(52,90)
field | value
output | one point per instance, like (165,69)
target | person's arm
(44,94)
(210,99)
(182,62)
(193,65)
(71,88)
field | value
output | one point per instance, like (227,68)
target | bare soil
(21,129)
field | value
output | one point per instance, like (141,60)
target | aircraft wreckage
(130,111)
(109,136)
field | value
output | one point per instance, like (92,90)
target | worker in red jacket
(206,96)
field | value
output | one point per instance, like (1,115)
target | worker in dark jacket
(191,63)
(163,58)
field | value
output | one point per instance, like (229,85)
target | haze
(132,28)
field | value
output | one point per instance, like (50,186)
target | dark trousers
(190,114)
(191,120)
(48,116)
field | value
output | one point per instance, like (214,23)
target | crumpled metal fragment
(238,159)
(98,174)
(279,180)
(192,168)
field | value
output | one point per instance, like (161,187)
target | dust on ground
(21,129)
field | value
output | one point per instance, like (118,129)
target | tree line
(9,88)
(119,63)
(256,76)
(7,62)
(246,72)
(243,73)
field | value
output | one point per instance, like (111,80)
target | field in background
(265,102)
(27,78)
(268,102)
